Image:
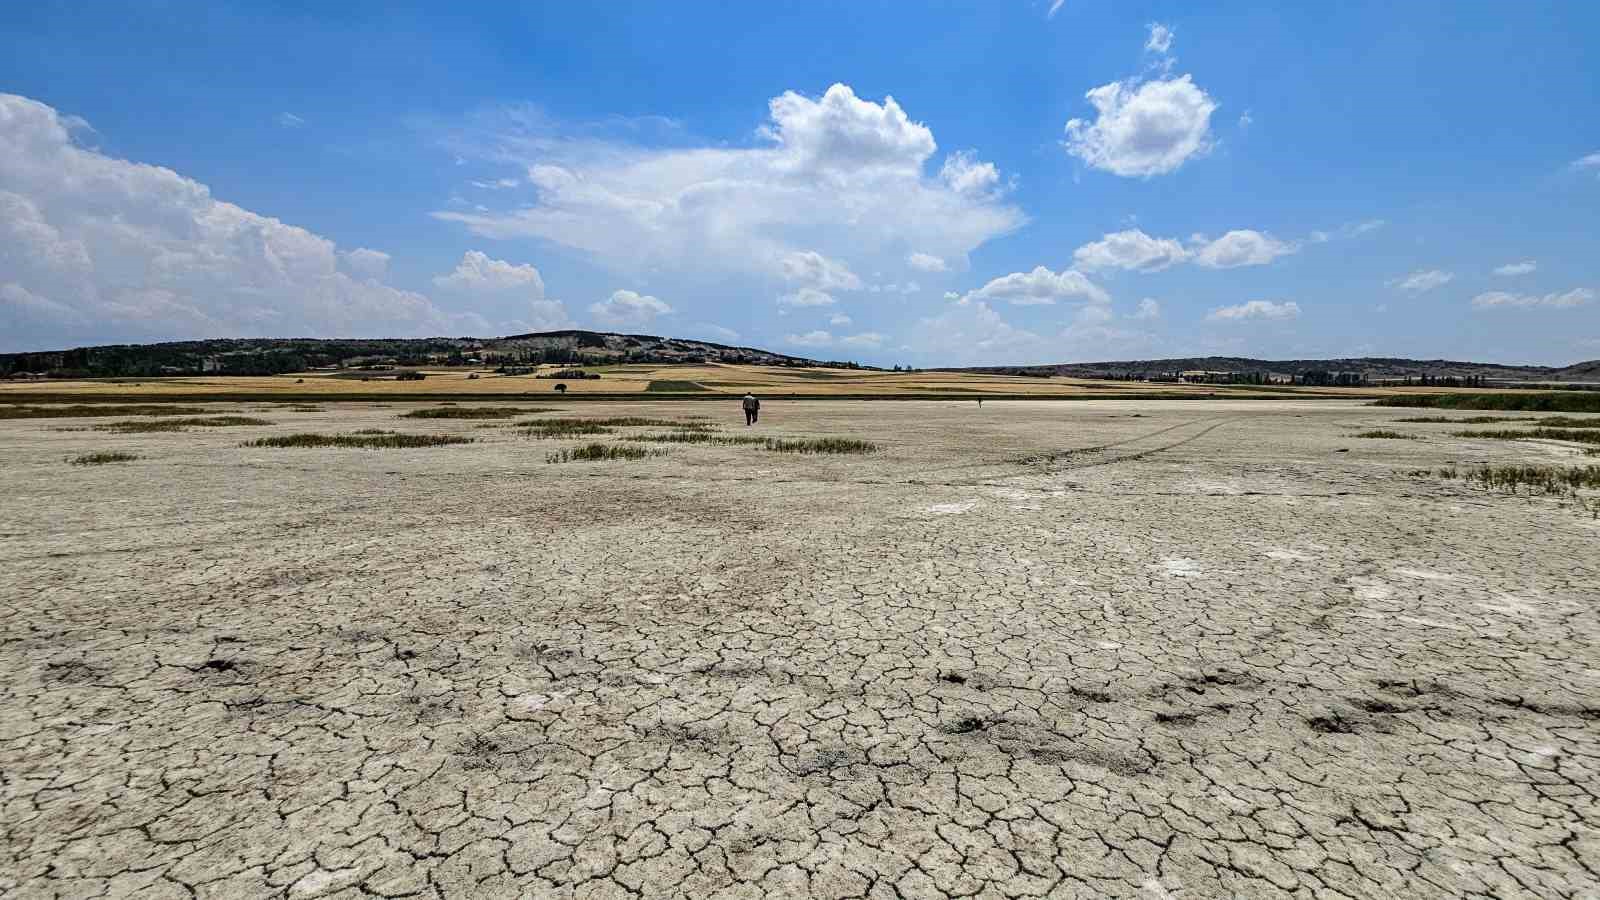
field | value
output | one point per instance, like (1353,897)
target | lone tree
(561,388)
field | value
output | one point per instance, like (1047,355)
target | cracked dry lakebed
(1038,649)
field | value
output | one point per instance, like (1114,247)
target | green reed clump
(598,452)
(469,412)
(820,445)
(137,427)
(697,437)
(1387,434)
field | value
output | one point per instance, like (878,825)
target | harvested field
(1101,648)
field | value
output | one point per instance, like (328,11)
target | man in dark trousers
(752,409)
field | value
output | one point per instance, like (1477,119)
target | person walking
(752,409)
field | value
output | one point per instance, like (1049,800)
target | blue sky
(1050,181)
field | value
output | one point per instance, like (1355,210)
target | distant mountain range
(1372,368)
(272,356)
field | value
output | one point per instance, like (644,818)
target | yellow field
(711,379)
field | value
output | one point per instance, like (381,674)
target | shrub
(598,453)
(100,459)
(819,445)
(389,441)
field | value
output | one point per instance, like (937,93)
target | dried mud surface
(1037,649)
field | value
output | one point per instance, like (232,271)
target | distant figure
(980,403)
(752,409)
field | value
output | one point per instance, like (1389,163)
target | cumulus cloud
(866,340)
(842,177)
(1143,128)
(838,319)
(1504,300)
(970,331)
(1241,247)
(965,174)
(627,309)
(1040,287)
(96,249)
(478,272)
(1136,251)
(812,268)
(1422,280)
(1131,249)
(1148,309)
(807,296)
(926,262)
(1255,309)
(1517,268)
(499,184)
(1160,39)
(1590,163)
(366,262)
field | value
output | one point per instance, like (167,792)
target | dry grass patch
(1542,479)
(372,439)
(1386,434)
(697,437)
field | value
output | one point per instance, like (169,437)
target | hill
(1368,369)
(272,356)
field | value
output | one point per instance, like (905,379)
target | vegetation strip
(470,412)
(598,452)
(820,445)
(1577,435)
(1548,401)
(1548,479)
(137,427)
(98,411)
(100,459)
(365,440)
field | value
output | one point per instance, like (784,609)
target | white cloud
(499,184)
(965,174)
(817,338)
(1148,309)
(1131,249)
(99,249)
(366,262)
(838,319)
(866,340)
(910,287)
(926,262)
(1134,250)
(1590,163)
(478,272)
(1143,128)
(1422,280)
(1503,299)
(1255,309)
(1055,6)
(1517,268)
(837,176)
(807,296)
(1040,287)
(1240,247)
(1245,120)
(812,268)
(626,309)
(289,120)
(1160,39)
